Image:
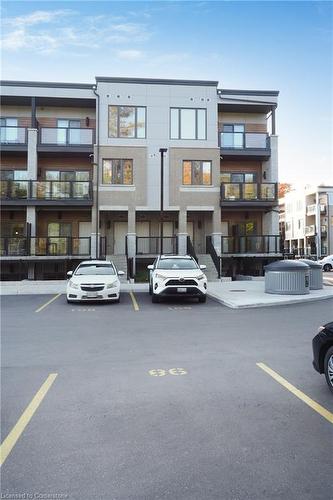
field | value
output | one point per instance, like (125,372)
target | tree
(284,188)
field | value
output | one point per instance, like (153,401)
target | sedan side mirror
(150,267)
(203,266)
(121,273)
(69,274)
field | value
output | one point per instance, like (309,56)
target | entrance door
(145,244)
(168,246)
(85,235)
(119,234)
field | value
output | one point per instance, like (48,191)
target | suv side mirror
(150,267)
(203,266)
(69,274)
(121,273)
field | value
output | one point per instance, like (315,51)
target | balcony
(323,230)
(14,138)
(46,193)
(151,245)
(248,194)
(250,245)
(66,139)
(242,144)
(45,246)
(310,230)
(311,209)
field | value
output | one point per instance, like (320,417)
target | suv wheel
(155,298)
(202,299)
(328,368)
(327,267)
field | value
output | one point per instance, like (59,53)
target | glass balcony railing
(244,140)
(310,230)
(249,192)
(45,246)
(13,135)
(46,190)
(66,136)
(311,209)
(254,244)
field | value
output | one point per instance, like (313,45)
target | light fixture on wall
(264,174)
(87,121)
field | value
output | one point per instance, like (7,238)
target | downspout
(96,164)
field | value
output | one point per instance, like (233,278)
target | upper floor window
(67,175)
(9,130)
(13,175)
(235,177)
(197,173)
(188,123)
(233,136)
(118,171)
(127,121)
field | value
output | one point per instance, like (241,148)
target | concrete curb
(265,304)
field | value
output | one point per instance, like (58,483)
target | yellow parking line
(10,441)
(134,302)
(299,394)
(47,303)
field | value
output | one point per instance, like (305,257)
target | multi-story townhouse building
(81,175)
(308,214)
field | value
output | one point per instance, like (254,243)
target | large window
(187,123)
(68,131)
(118,171)
(233,136)
(127,121)
(197,173)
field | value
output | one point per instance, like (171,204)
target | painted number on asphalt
(179,308)
(83,310)
(159,372)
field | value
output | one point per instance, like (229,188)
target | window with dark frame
(117,171)
(127,121)
(188,123)
(197,173)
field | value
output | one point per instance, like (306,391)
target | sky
(266,45)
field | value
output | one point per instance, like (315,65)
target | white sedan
(327,263)
(94,280)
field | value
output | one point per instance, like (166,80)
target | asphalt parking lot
(162,401)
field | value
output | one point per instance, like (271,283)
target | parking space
(164,400)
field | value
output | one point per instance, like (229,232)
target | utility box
(287,277)
(316,274)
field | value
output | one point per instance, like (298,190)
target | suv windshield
(177,264)
(95,269)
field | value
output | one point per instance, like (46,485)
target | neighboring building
(81,175)
(308,216)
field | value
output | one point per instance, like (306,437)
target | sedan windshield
(95,269)
(177,264)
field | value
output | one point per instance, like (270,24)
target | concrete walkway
(234,294)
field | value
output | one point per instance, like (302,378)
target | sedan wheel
(328,368)
(327,267)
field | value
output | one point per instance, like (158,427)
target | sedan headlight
(73,285)
(112,285)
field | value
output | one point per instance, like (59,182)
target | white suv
(172,275)
(327,263)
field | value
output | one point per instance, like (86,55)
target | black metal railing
(212,252)
(45,190)
(13,135)
(63,136)
(151,245)
(244,140)
(45,246)
(190,248)
(268,244)
(249,191)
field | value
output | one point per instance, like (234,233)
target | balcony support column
(32,154)
(131,233)
(182,232)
